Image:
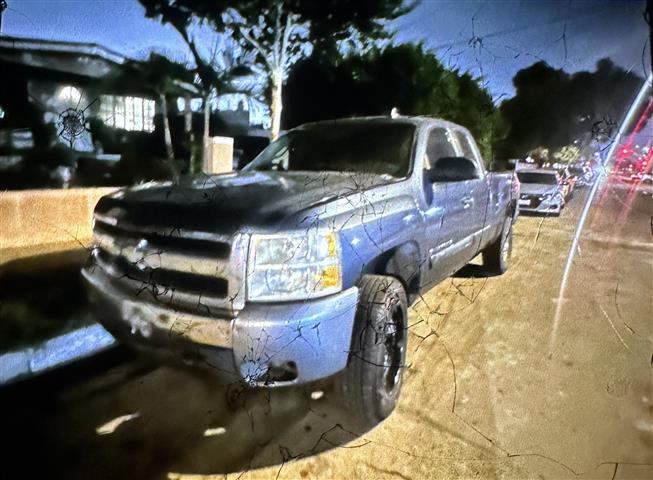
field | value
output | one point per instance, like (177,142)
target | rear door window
(468,150)
(439,145)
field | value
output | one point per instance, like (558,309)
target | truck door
(442,217)
(475,192)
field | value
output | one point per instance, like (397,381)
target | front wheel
(371,383)
(496,255)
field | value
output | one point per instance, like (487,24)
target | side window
(468,151)
(439,145)
(280,155)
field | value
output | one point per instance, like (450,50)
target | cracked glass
(241,239)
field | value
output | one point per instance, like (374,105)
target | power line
(509,31)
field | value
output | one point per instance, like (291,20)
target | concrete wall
(43,221)
(220,155)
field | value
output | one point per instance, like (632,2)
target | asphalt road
(504,379)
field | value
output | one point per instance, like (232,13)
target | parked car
(568,183)
(542,191)
(302,265)
(625,175)
(583,176)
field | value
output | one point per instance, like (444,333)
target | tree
(231,71)
(553,109)
(277,32)
(405,76)
(161,76)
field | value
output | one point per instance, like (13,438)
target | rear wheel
(496,255)
(371,383)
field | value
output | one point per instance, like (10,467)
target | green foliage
(325,21)
(274,34)
(157,74)
(405,76)
(553,108)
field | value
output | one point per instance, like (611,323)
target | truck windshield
(377,148)
(532,177)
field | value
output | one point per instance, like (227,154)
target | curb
(56,352)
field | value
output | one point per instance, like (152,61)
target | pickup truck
(302,265)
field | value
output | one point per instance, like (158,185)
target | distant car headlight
(293,266)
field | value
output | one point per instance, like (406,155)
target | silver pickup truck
(303,264)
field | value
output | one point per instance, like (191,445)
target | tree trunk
(170,155)
(277,103)
(206,141)
(189,137)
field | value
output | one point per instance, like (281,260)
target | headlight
(293,266)
(546,196)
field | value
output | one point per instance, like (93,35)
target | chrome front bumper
(264,344)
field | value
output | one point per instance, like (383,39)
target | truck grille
(182,269)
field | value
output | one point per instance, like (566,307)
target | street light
(3,7)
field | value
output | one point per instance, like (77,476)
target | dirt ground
(505,379)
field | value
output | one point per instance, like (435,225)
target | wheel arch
(402,262)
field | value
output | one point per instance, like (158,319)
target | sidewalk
(59,351)
(44,317)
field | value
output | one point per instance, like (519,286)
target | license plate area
(134,314)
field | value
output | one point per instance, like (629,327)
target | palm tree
(161,77)
(231,71)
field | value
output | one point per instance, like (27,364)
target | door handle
(467,202)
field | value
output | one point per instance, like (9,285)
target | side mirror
(452,169)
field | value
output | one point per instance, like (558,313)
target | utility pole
(3,7)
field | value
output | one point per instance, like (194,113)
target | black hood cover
(226,203)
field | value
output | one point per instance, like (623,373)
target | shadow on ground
(41,297)
(125,415)
(143,420)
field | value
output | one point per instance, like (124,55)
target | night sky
(509,35)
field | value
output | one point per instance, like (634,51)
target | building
(67,105)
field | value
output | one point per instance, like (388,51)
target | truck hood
(230,202)
(538,189)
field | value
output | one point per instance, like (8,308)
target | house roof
(59,46)
(86,60)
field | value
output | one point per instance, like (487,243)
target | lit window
(137,111)
(129,113)
(196,104)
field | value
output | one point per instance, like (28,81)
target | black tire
(497,254)
(371,383)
